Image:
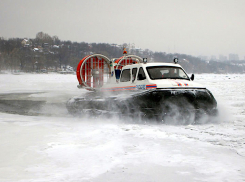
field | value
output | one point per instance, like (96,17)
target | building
(222,57)
(26,43)
(233,57)
(213,58)
(203,58)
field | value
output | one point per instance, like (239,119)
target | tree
(56,40)
(43,38)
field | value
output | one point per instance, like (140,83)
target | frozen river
(41,142)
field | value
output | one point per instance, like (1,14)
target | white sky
(196,27)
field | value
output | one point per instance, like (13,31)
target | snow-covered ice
(47,144)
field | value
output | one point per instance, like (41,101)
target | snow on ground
(54,146)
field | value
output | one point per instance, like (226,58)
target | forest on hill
(51,53)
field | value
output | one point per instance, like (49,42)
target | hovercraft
(130,86)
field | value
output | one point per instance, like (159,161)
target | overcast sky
(196,27)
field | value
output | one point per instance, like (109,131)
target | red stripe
(179,84)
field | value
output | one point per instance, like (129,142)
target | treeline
(51,53)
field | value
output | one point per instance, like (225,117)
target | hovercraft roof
(152,64)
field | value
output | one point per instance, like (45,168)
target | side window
(134,72)
(125,76)
(182,74)
(141,74)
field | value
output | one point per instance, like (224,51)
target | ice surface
(45,143)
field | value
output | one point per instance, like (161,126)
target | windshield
(166,72)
